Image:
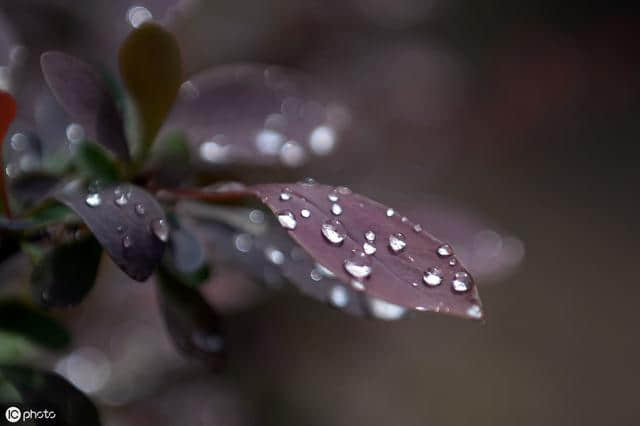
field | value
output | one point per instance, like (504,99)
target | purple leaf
(373,248)
(125,219)
(85,96)
(255,115)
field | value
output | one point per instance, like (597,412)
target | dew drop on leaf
(453,261)
(140,210)
(333,231)
(127,242)
(336,209)
(370,236)
(384,310)
(285,196)
(461,282)
(417,228)
(358,265)
(390,212)
(333,196)
(475,312)
(368,248)
(432,277)
(93,200)
(444,250)
(305,213)
(287,220)
(397,242)
(160,229)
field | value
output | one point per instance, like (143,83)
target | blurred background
(521,116)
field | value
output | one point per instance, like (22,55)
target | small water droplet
(336,209)
(344,190)
(75,133)
(357,285)
(256,216)
(305,213)
(93,200)
(474,312)
(384,310)
(287,220)
(274,255)
(433,277)
(243,242)
(315,274)
(333,231)
(444,250)
(138,15)
(417,228)
(370,236)
(160,229)
(339,297)
(358,265)
(121,199)
(462,282)
(140,210)
(285,196)
(368,248)
(333,196)
(127,242)
(390,212)
(453,261)
(404,219)
(397,242)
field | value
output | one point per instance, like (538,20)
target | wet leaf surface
(151,68)
(193,324)
(66,274)
(373,248)
(254,115)
(126,220)
(40,390)
(85,96)
(21,319)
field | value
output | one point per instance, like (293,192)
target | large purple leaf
(373,248)
(255,115)
(85,96)
(126,220)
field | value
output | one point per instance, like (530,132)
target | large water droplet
(339,297)
(368,248)
(160,229)
(287,220)
(336,209)
(322,140)
(384,310)
(370,236)
(462,282)
(140,210)
(397,242)
(358,265)
(444,250)
(305,213)
(433,277)
(334,231)
(93,200)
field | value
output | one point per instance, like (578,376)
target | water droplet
(462,282)
(292,154)
(309,181)
(138,15)
(444,250)
(315,274)
(75,133)
(368,248)
(333,196)
(287,220)
(384,310)
(140,210)
(285,196)
(120,229)
(243,243)
(333,231)
(404,219)
(453,261)
(274,255)
(390,212)
(269,142)
(339,297)
(121,199)
(325,271)
(214,152)
(357,285)
(358,265)
(433,277)
(93,200)
(322,140)
(475,312)
(127,242)
(417,228)
(370,236)
(397,242)
(336,209)
(160,229)
(19,142)
(344,190)
(256,216)
(305,213)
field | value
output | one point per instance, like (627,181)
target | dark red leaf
(85,96)
(126,220)
(409,267)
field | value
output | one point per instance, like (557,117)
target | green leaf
(66,274)
(151,69)
(19,318)
(94,162)
(44,390)
(170,161)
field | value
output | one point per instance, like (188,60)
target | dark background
(526,112)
